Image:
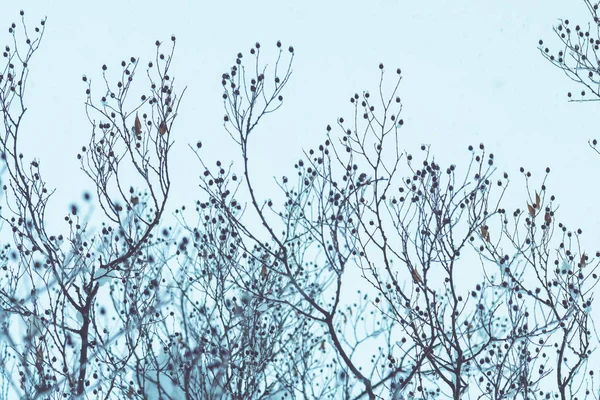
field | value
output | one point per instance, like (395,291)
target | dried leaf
(485,233)
(39,355)
(537,200)
(263,271)
(416,276)
(547,218)
(323,345)
(162,129)
(138,125)
(582,262)
(135,200)
(531,210)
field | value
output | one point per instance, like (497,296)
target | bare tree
(349,215)
(579,56)
(54,285)
(370,273)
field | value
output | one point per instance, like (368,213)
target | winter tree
(372,272)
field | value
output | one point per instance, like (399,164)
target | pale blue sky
(471,73)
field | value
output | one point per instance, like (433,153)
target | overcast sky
(471,73)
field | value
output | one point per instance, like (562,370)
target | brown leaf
(537,200)
(485,233)
(138,125)
(263,271)
(531,210)
(323,345)
(135,200)
(547,218)
(582,262)
(416,276)
(162,129)
(39,355)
